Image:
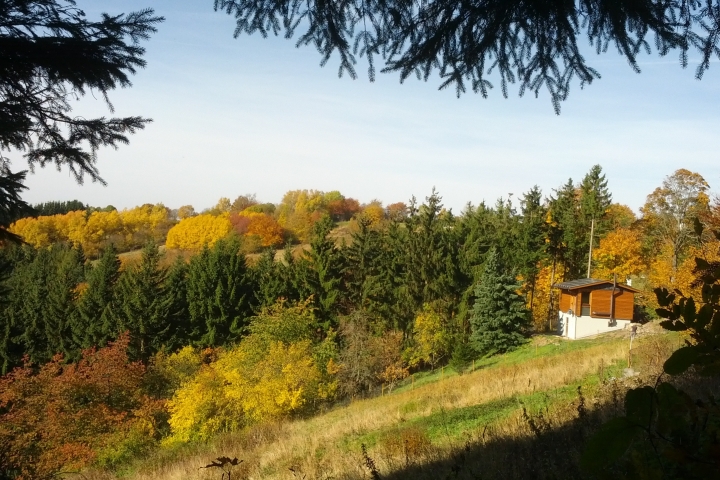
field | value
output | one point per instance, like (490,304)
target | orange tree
(65,415)
(666,432)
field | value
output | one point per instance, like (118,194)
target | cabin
(589,306)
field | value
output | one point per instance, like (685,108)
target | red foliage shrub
(57,418)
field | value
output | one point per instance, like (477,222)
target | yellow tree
(101,228)
(194,232)
(71,226)
(669,211)
(620,216)
(619,253)
(374,212)
(186,211)
(432,337)
(38,232)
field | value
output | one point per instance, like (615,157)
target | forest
(124,332)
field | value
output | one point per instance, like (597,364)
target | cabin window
(585,304)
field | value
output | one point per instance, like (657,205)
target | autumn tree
(62,416)
(260,225)
(193,233)
(396,211)
(369,354)
(277,371)
(186,211)
(432,336)
(669,211)
(243,202)
(620,216)
(620,254)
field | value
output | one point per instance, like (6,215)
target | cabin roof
(591,282)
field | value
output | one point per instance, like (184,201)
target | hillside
(429,418)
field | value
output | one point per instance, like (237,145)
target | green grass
(554,345)
(444,426)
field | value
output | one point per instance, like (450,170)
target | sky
(253,115)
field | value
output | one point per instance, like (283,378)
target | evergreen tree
(567,245)
(178,313)
(432,274)
(96,323)
(58,208)
(13,260)
(361,269)
(219,294)
(142,305)
(499,318)
(595,200)
(395,306)
(12,207)
(39,311)
(61,304)
(531,239)
(322,274)
(268,278)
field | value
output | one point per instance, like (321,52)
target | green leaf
(608,444)
(681,360)
(639,405)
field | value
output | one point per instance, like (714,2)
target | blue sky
(253,115)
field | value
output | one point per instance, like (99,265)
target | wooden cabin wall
(565,300)
(600,303)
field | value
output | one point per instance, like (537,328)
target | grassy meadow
(442,424)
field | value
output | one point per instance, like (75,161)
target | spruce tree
(322,274)
(142,305)
(96,323)
(361,269)
(531,239)
(267,277)
(499,318)
(178,313)
(432,274)
(219,294)
(61,312)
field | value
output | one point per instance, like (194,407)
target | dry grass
(319,448)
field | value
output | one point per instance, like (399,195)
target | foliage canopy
(534,44)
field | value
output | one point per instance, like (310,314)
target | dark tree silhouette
(532,43)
